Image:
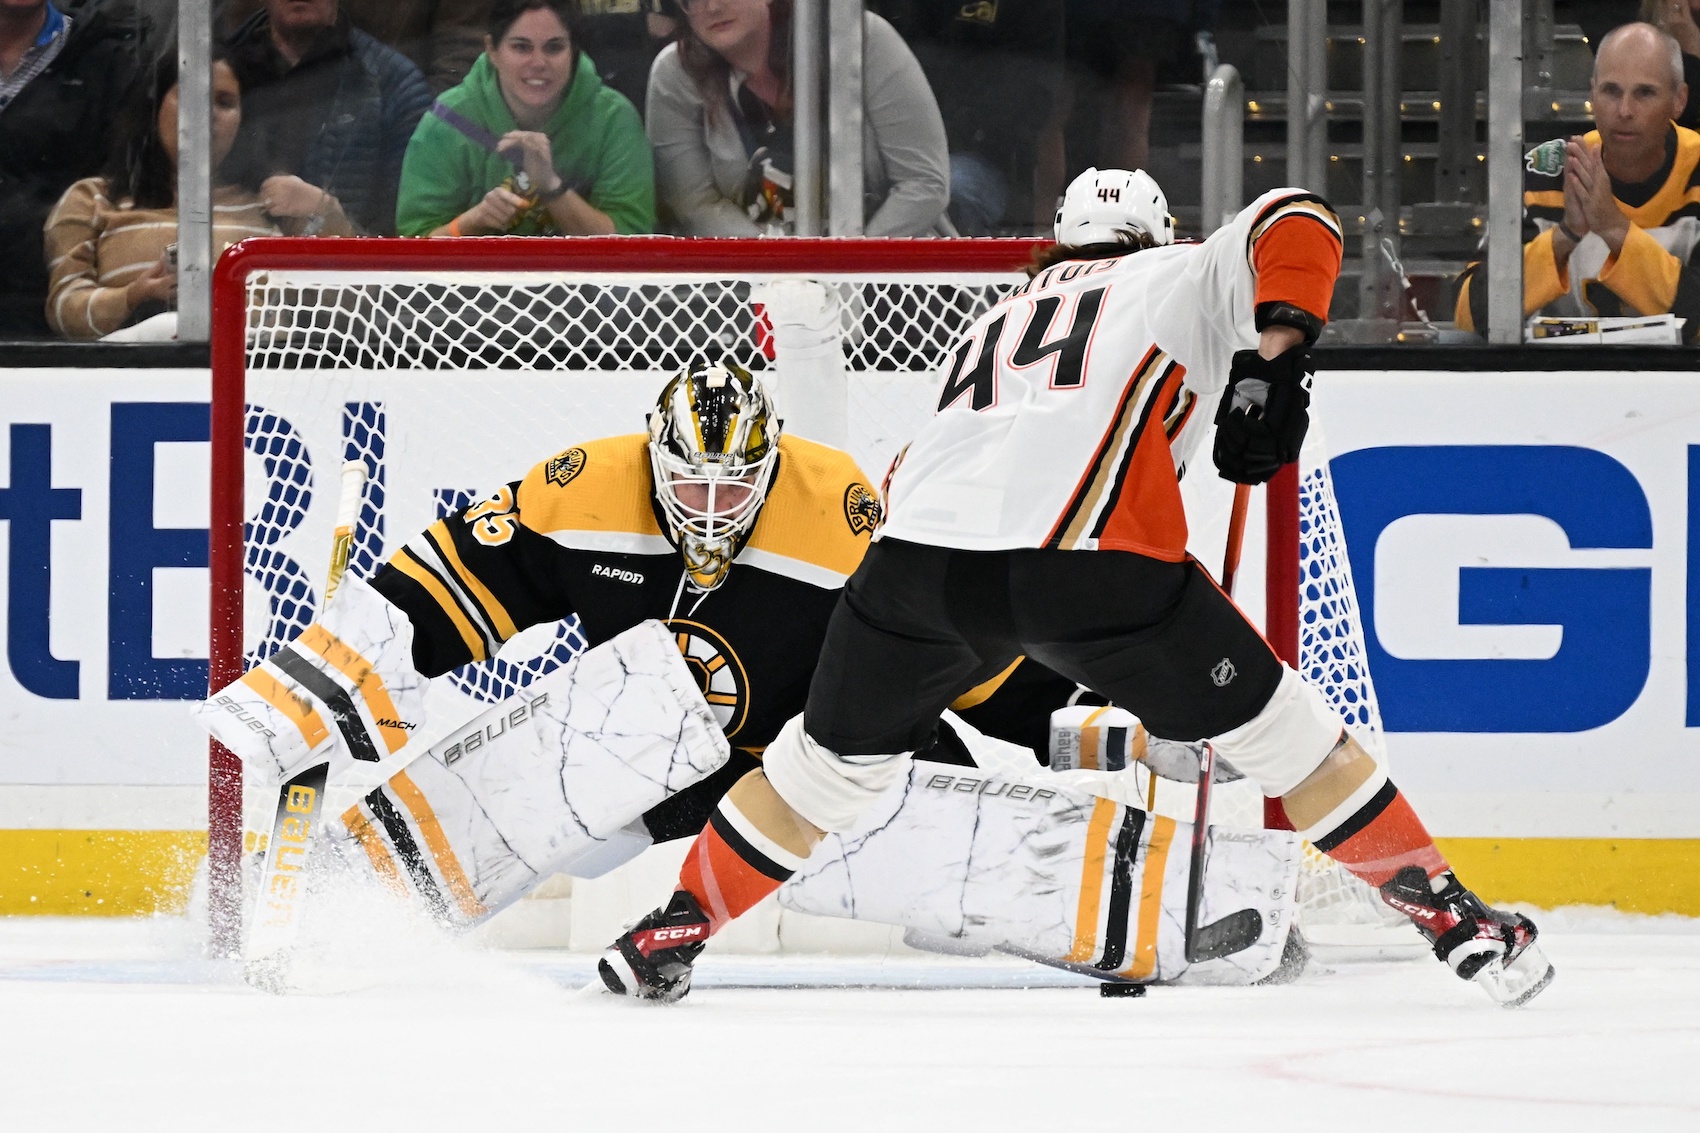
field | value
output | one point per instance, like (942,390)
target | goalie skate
(1496,950)
(652,959)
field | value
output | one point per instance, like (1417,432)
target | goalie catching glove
(1264,414)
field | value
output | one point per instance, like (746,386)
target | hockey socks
(733,865)
(1378,836)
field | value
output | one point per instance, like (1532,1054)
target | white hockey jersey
(1067,410)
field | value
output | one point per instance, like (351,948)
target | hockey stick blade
(1233,933)
(271,932)
(278,897)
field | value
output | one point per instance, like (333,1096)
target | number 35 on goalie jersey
(1067,410)
(579,535)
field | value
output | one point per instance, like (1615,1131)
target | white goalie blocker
(1035,864)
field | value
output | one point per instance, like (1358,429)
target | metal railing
(1223,166)
(1505,172)
(1307,94)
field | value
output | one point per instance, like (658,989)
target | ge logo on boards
(1603,613)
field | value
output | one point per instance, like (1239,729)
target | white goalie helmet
(713,445)
(1107,206)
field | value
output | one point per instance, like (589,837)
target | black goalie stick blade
(1233,933)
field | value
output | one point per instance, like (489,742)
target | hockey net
(449,367)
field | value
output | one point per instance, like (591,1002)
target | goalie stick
(1239,929)
(299,811)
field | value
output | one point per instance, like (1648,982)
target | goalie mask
(1111,206)
(713,443)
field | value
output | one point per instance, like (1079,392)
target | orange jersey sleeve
(1295,251)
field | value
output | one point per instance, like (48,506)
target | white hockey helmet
(713,444)
(1107,206)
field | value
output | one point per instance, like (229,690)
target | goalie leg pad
(1047,871)
(344,691)
(542,781)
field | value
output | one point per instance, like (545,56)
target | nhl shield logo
(561,469)
(1223,672)
(862,509)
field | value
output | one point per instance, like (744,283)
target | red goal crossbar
(623,255)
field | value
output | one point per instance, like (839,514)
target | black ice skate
(1497,950)
(652,959)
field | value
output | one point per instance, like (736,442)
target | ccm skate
(1497,950)
(652,959)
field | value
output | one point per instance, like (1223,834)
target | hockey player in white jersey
(1039,513)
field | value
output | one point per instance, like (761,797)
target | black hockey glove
(1263,415)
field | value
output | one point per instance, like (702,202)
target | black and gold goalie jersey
(580,535)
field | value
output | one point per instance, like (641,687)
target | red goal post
(481,336)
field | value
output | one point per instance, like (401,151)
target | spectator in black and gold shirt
(1612,219)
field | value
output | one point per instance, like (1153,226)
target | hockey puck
(1119,990)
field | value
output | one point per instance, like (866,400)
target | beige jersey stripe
(440,537)
(438,843)
(297,708)
(1104,476)
(1092,882)
(376,852)
(409,566)
(1296,208)
(348,661)
(1151,900)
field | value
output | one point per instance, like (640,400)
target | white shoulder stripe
(792,568)
(619,542)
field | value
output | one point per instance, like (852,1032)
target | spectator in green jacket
(532,143)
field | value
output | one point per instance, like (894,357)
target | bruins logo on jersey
(862,509)
(561,469)
(719,673)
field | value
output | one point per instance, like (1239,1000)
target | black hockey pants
(917,626)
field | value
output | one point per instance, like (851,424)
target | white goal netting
(448,384)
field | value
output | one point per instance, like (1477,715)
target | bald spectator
(1610,220)
(441,37)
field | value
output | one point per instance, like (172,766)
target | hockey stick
(300,803)
(1236,535)
(1236,931)
(1240,929)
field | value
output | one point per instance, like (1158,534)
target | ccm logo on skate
(1412,910)
(668,937)
(471,741)
(618,574)
(990,788)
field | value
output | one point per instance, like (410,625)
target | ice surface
(122,1025)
